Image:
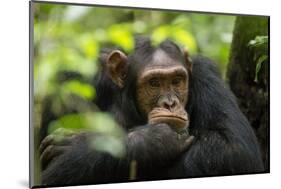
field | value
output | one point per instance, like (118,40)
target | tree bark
(252,95)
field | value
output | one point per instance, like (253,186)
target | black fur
(224,141)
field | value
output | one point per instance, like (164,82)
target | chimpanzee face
(162,90)
(161,86)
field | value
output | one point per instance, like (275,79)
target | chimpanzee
(181,121)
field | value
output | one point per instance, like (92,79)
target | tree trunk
(252,95)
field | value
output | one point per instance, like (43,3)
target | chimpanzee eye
(176,81)
(154,82)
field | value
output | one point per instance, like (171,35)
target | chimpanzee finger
(50,153)
(48,140)
(183,135)
(56,140)
(63,132)
(188,142)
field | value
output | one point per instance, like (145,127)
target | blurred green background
(69,38)
(67,41)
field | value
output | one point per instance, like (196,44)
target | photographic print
(126,94)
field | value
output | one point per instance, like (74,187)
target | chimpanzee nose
(167,103)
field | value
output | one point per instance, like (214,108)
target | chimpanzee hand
(150,144)
(157,144)
(57,143)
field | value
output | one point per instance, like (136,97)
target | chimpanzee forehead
(162,64)
(161,58)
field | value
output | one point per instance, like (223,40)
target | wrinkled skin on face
(162,91)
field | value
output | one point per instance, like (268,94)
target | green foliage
(260,42)
(121,35)
(110,138)
(176,33)
(68,38)
(83,90)
(92,121)
(260,47)
(259,64)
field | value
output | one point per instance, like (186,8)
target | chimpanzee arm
(218,153)
(150,146)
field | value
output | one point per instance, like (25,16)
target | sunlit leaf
(258,66)
(72,122)
(110,144)
(259,40)
(184,38)
(103,123)
(110,136)
(178,34)
(89,45)
(83,90)
(95,122)
(260,44)
(160,34)
(121,35)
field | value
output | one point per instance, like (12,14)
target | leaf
(121,35)
(160,34)
(259,64)
(184,38)
(110,138)
(83,90)
(259,44)
(68,122)
(177,33)
(92,121)
(110,144)
(259,40)
(89,45)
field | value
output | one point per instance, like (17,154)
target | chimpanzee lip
(158,113)
(169,116)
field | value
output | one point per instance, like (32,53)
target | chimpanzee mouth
(169,117)
(166,115)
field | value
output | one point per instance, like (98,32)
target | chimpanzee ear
(117,66)
(188,60)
